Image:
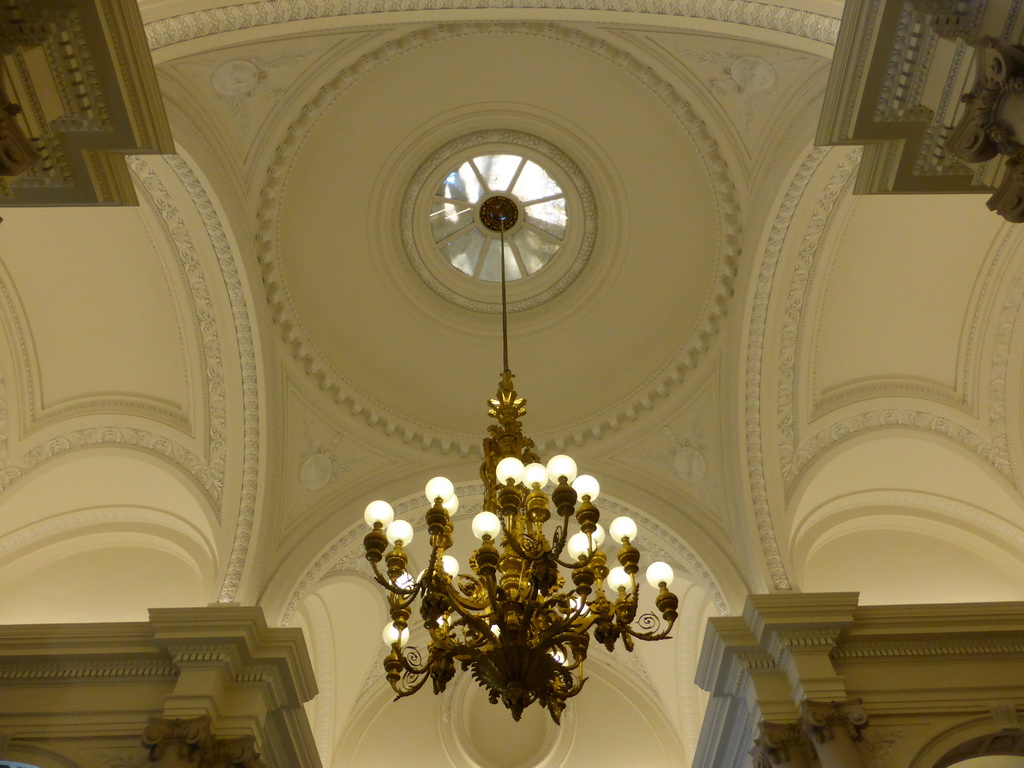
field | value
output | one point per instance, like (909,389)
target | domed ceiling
(663,226)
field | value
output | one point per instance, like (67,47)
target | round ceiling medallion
(490,185)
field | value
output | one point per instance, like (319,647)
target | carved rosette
(982,134)
(191,742)
(823,720)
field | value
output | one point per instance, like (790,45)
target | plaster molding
(800,280)
(182,28)
(97,517)
(821,719)
(755,351)
(897,651)
(939,506)
(360,404)
(248,374)
(57,672)
(211,369)
(326,700)
(779,743)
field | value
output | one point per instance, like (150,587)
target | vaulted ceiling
(789,387)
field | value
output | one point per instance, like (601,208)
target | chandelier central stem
(504,299)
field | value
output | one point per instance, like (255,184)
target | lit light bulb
(577,604)
(400,530)
(578,546)
(486,523)
(439,488)
(561,466)
(587,485)
(598,535)
(405,580)
(450,566)
(622,528)
(391,634)
(378,512)
(659,572)
(451,505)
(535,474)
(509,468)
(558,656)
(616,578)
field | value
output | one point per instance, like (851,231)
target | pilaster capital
(192,742)
(823,719)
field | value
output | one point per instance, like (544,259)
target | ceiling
(790,387)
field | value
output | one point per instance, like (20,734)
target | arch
(968,740)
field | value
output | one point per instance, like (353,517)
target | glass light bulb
(586,485)
(450,566)
(577,604)
(439,487)
(509,468)
(405,580)
(378,512)
(535,474)
(598,535)
(658,572)
(451,505)
(622,528)
(391,634)
(486,523)
(557,655)
(578,546)
(400,530)
(617,577)
(561,466)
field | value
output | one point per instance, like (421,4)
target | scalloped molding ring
(198,24)
(374,413)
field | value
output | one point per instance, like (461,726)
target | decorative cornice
(362,405)
(779,743)
(199,24)
(755,353)
(898,651)
(61,671)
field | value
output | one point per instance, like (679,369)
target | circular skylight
(486,185)
(488,194)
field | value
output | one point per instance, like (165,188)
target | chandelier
(521,619)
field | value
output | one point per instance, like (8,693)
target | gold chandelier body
(522,618)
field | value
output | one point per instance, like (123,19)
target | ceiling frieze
(360,404)
(249,380)
(755,352)
(211,368)
(185,27)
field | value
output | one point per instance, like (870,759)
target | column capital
(821,719)
(173,742)
(780,744)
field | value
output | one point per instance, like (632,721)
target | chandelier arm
(513,542)
(656,632)
(469,614)
(386,583)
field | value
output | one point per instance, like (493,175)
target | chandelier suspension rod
(504,301)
